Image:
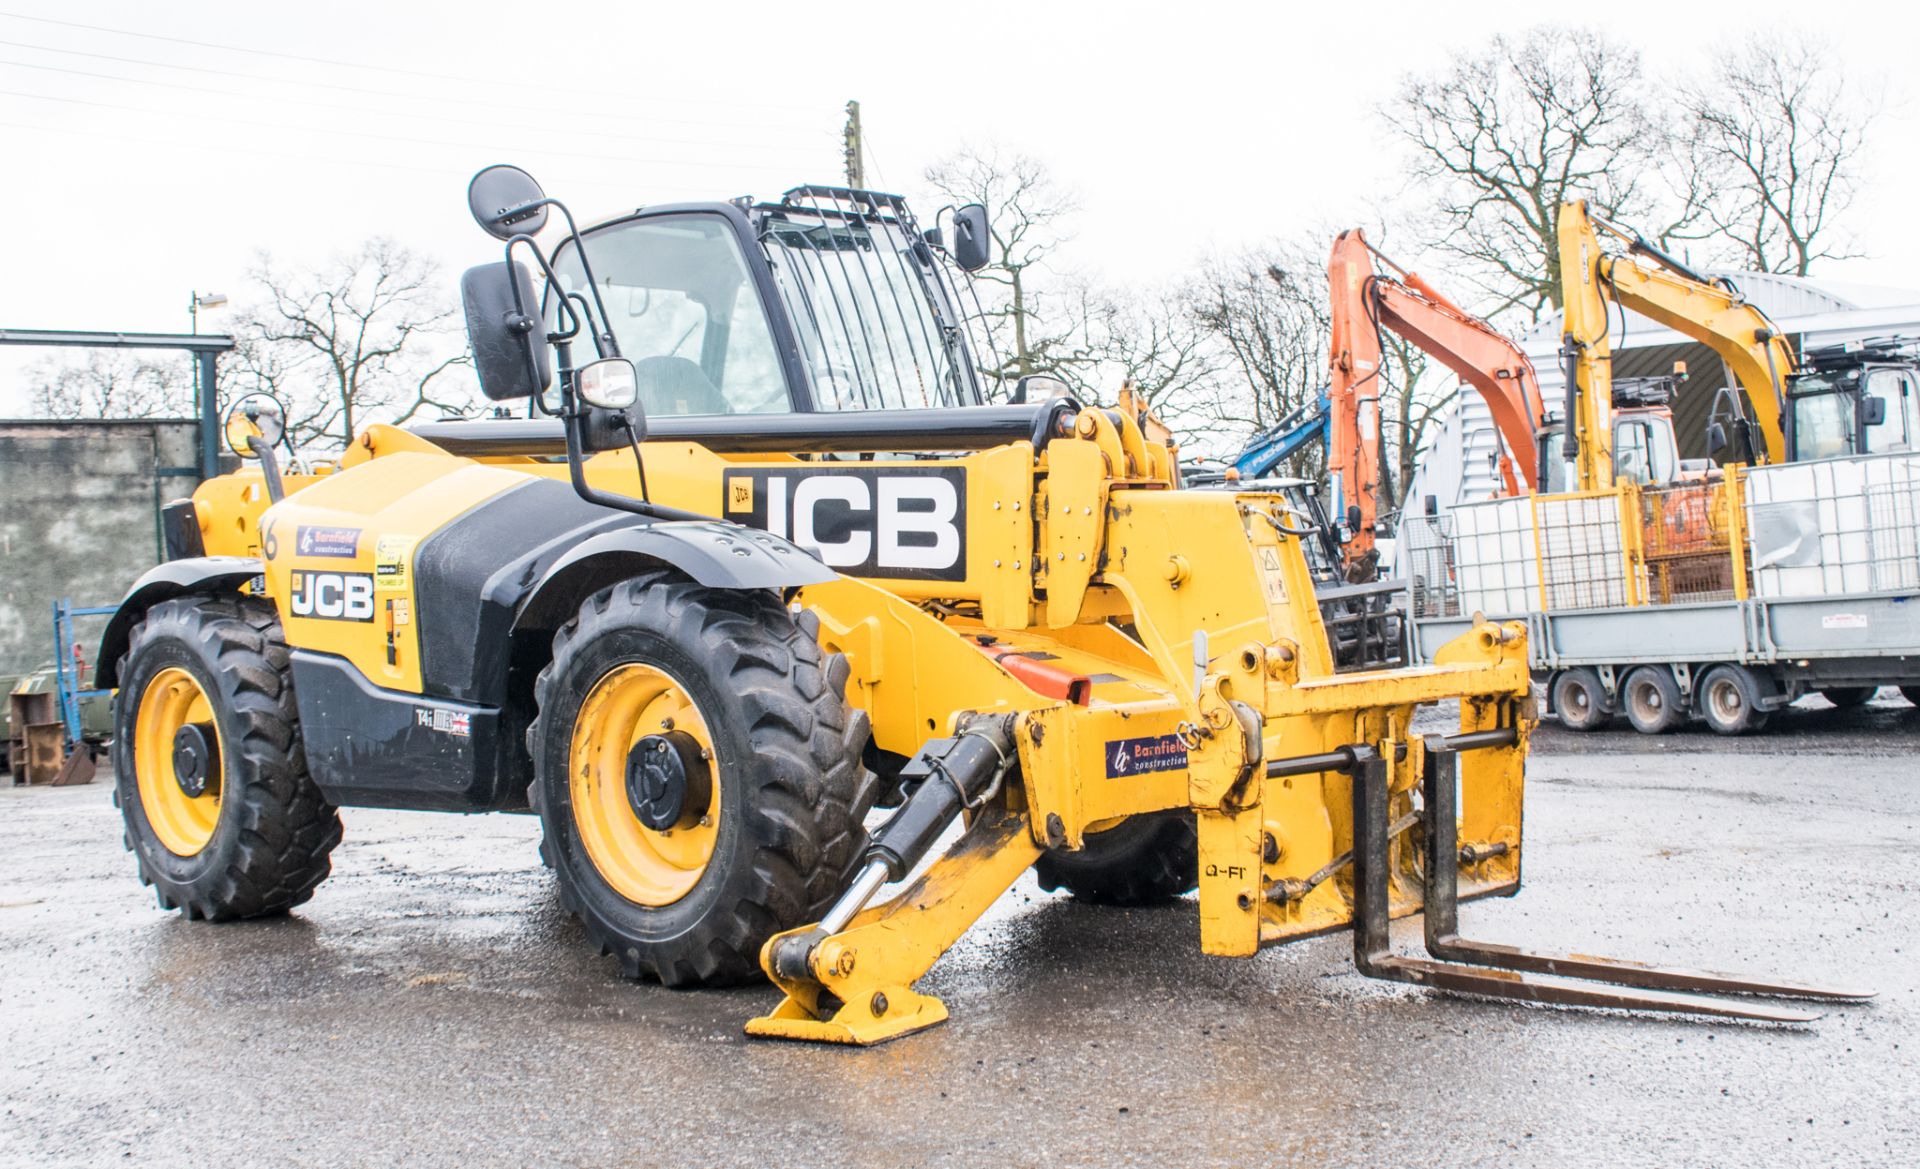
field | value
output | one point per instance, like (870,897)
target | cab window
(684,309)
(1822,422)
(1895,387)
(1640,455)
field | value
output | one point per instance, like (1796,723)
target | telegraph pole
(855,158)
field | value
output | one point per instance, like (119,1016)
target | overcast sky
(152,149)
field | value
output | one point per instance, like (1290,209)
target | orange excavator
(1365,304)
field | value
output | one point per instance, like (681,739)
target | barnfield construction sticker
(1844,621)
(340,543)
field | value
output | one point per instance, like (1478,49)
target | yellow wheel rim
(645,866)
(183,823)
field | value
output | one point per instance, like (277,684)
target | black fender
(195,575)
(713,553)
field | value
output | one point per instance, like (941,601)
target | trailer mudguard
(175,578)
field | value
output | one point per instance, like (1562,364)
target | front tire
(751,821)
(1141,860)
(209,771)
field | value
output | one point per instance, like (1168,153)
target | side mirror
(1716,439)
(1038,387)
(1873,411)
(254,424)
(506,202)
(611,383)
(972,238)
(508,350)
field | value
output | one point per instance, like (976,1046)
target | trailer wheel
(209,771)
(697,775)
(1729,700)
(1580,699)
(1652,700)
(1848,697)
(1139,861)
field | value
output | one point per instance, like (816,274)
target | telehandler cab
(765,563)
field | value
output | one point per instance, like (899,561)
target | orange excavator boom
(1366,302)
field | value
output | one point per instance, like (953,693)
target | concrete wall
(79,518)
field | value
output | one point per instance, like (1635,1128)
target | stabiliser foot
(1501,972)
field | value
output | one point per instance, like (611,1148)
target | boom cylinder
(951,776)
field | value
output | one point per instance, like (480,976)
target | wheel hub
(668,781)
(196,758)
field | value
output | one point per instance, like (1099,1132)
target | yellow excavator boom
(1663,290)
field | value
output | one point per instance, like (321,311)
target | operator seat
(675,385)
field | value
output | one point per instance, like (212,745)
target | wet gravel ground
(433,1006)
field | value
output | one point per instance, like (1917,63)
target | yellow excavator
(1844,399)
(767,561)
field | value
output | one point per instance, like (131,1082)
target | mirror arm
(270,468)
(601,341)
(605,344)
(553,281)
(573,422)
(639,463)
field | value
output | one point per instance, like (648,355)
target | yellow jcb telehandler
(768,562)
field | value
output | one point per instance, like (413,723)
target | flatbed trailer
(1723,599)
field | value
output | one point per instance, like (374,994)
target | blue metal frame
(1265,451)
(66,675)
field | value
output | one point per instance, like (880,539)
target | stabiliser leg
(1495,971)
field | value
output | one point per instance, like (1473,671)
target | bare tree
(109,383)
(1266,312)
(1778,136)
(1502,136)
(1034,323)
(370,337)
(1147,340)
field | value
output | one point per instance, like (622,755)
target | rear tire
(1729,699)
(255,840)
(769,833)
(1652,700)
(1848,697)
(1580,700)
(1139,861)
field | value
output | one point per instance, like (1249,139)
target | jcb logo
(333,596)
(898,522)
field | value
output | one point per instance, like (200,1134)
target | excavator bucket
(1505,972)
